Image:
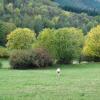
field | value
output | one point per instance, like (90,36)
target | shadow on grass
(5,65)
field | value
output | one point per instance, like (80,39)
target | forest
(91,7)
(40,16)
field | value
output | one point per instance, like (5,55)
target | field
(77,82)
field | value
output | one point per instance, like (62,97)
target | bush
(28,59)
(20,38)
(64,44)
(86,58)
(4,53)
(20,59)
(42,58)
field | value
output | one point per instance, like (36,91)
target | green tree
(64,44)
(5,28)
(21,38)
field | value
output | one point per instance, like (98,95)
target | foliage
(62,43)
(40,14)
(42,58)
(31,13)
(4,53)
(5,28)
(81,21)
(91,7)
(20,59)
(68,44)
(46,40)
(86,58)
(26,59)
(21,38)
(92,43)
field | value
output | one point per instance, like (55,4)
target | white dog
(58,71)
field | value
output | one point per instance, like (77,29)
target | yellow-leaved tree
(20,38)
(92,43)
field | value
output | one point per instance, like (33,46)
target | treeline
(91,12)
(39,14)
(91,7)
(51,46)
(37,33)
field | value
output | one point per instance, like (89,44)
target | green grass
(77,82)
(5,63)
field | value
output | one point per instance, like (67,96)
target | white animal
(58,71)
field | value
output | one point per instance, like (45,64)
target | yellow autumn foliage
(92,43)
(20,38)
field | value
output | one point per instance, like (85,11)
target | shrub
(86,58)
(64,44)
(20,59)
(42,58)
(4,53)
(27,59)
(20,38)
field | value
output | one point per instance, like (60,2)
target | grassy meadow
(77,82)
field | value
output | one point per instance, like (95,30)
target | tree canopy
(65,44)
(92,43)
(21,38)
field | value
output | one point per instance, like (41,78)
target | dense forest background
(67,29)
(91,7)
(40,14)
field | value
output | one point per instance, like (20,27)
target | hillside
(40,14)
(89,6)
(34,14)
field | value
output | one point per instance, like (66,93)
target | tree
(21,38)
(38,23)
(5,28)
(39,14)
(68,44)
(64,44)
(92,43)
